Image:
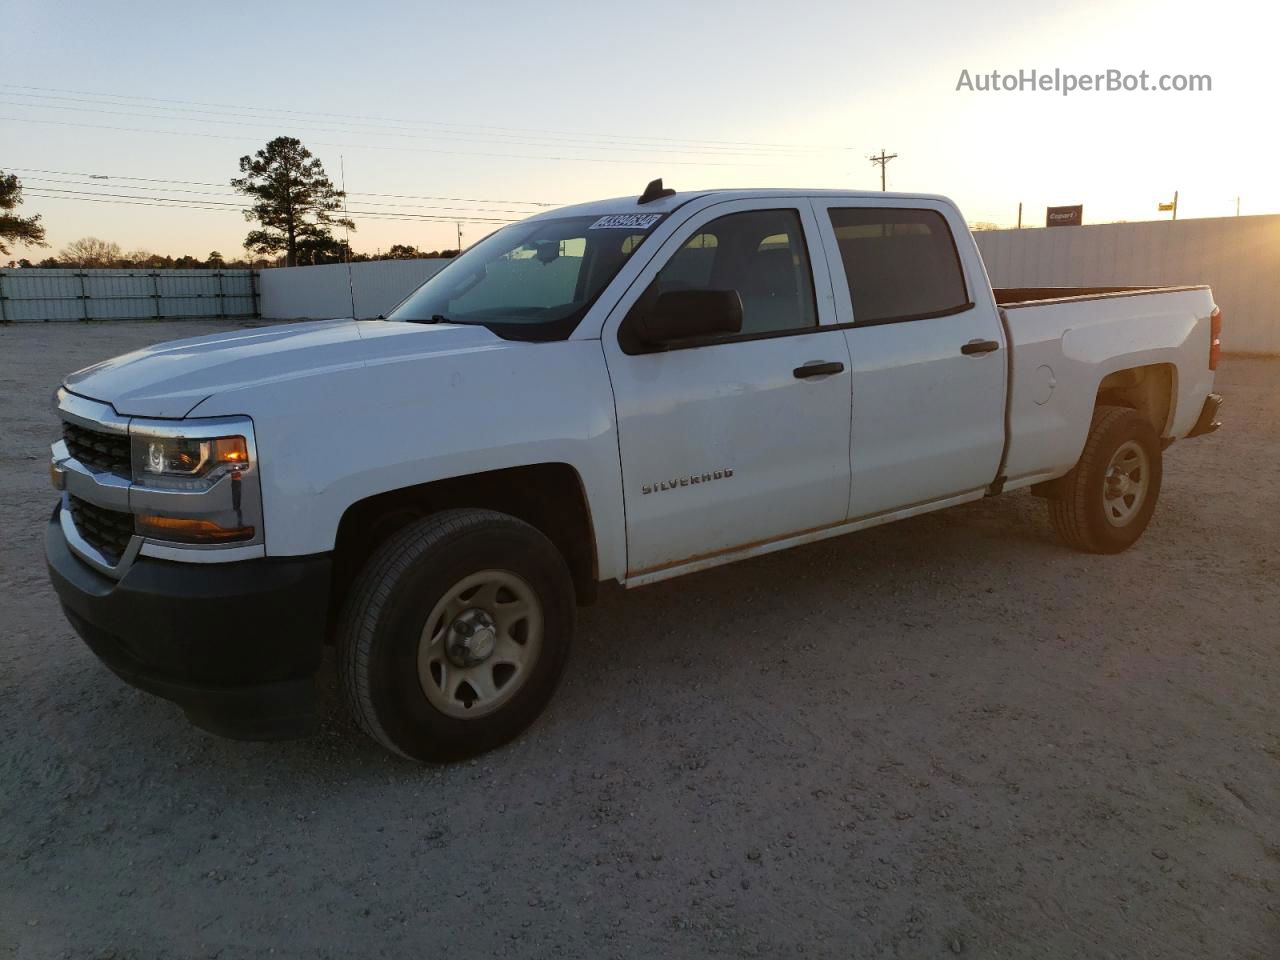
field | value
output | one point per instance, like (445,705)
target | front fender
(329,441)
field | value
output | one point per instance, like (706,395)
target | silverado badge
(687,481)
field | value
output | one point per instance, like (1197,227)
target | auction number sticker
(626,221)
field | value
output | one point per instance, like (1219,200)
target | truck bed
(1066,340)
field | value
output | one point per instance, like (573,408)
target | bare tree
(90,252)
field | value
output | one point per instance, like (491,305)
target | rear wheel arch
(1150,389)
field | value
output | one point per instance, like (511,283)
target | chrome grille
(108,531)
(100,452)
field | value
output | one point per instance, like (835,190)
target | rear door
(743,439)
(926,348)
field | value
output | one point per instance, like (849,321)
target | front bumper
(236,645)
(1208,421)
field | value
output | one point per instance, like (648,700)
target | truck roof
(632,203)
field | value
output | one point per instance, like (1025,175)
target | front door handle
(818,369)
(979,346)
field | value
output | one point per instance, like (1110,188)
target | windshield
(533,280)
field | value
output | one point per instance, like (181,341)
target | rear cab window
(900,264)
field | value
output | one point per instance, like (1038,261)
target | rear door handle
(979,346)
(818,369)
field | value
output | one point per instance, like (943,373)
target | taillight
(1215,338)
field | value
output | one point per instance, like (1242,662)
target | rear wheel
(455,634)
(1105,503)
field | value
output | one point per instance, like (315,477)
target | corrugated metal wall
(34,295)
(321,293)
(1238,256)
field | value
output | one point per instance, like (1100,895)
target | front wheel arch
(550,497)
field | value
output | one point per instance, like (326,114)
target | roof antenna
(351,284)
(654,191)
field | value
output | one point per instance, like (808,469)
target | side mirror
(686,314)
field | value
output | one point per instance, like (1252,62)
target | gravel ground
(948,735)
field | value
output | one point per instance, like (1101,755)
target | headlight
(195,482)
(184,457)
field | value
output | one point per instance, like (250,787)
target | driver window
(762,255)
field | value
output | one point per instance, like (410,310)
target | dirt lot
(949,735)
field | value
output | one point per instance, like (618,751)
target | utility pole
(1019,215)
(1175,204)
(1237,206)
(459,226)
(883,160)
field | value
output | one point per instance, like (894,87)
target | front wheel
(1105,503)
(455,634)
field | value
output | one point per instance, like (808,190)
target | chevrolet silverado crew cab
(628,390)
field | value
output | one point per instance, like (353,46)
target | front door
(739,439)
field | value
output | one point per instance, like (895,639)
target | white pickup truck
(627,390)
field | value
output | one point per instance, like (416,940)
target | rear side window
(900,264)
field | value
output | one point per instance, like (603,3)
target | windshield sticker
(626,221)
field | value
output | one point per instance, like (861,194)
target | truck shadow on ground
(647,655)
(819,601)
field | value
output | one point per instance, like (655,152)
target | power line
(268,123)
(232,193)
(212,183)
(379,146)
(95,106)
(348,116)
(217,206)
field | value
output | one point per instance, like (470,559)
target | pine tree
(13,228)
(295,200)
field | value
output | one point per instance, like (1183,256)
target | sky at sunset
(481,110)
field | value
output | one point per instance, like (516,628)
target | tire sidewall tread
(1077,513)
(390,599)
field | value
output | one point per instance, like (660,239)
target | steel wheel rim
(1125,483)
(493,617)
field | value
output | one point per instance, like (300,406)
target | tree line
(293,203)
(90,252)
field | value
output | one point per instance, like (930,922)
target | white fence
(1238,256)
(319,293)
(71,293)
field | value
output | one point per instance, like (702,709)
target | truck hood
(171,379)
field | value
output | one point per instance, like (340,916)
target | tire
(417,691)
(1093,513)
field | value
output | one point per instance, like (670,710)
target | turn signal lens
(230,450)
(188,530)
(1215,338)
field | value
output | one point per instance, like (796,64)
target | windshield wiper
(435,318)
(441,318)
